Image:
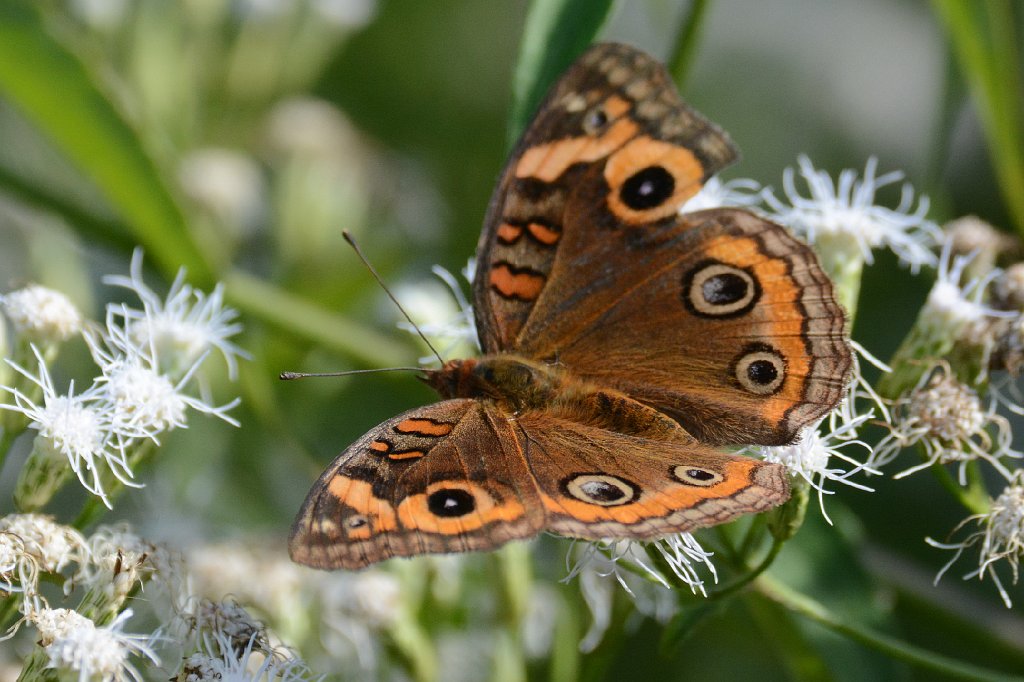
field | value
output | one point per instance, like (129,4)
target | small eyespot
(647,188)
(600,489)
(451,502)
(761,370)
(698,476)
(356,521)
(715,289)
(594,121)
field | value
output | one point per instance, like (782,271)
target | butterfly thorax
(516,381)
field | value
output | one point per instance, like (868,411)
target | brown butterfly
(622,341)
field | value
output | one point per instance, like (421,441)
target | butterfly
(623,342)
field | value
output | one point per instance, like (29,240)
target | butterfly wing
(615,111)
(725,322)
(448,477)
(599,483)
(585,259)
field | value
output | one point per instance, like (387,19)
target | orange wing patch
(644,152)
(547,162)
(424,427)
(523,284)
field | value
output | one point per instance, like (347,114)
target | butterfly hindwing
(608,466)
(726,322)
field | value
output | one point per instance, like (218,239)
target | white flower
(145,400)
(847,208)
(957,308)
(715,194)
(858,391)
(629,563)
(73,642)
(221,662)
(947,418)
(42,314)
(1001,535)
(812,454)
(82,428)
(180,330)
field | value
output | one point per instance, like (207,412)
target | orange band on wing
(511,282)
(655,502)
(785,326)
(423,427)
(547,162)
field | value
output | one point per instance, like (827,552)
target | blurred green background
(240,138)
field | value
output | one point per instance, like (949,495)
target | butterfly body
(623,341)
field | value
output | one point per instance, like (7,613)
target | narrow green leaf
(57,93)
(680,60)
(262,300)
(985,40)
(556,32)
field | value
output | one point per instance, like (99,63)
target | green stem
(890,646)
(750,577)
(680,60)
(972,498)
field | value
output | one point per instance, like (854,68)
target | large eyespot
(760,369)
(600,489)
(647,188)
(715,289)
(695,475)
(450,502)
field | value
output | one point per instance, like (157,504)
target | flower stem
(972,498)
(890,646)
(752,575)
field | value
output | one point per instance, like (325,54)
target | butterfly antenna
(355,247)
(288,376)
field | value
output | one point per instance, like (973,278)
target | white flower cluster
(148,359)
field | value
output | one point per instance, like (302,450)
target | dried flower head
(51,545)
(947,418)
(1000,533)
(1008,289)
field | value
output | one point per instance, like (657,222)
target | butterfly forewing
(613,113)
(448,477)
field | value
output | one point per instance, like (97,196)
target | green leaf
(556,32)
(681,58)
(57,93)
(985,40)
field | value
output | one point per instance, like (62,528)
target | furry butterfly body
(622,343)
